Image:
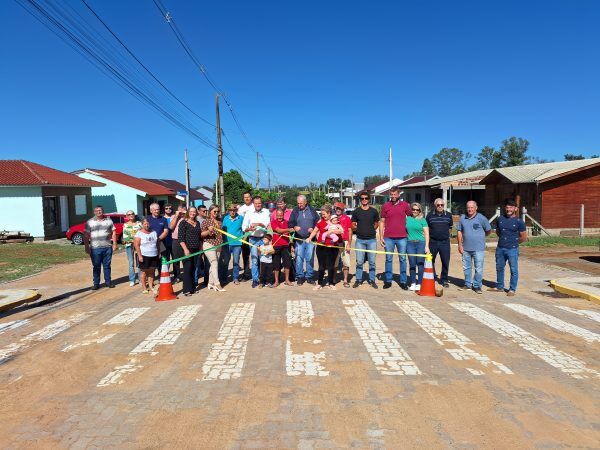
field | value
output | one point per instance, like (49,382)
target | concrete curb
(574,289)
(11,298)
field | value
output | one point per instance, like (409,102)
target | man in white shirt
(256,220)
(242,210)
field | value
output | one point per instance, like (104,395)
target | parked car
(75,233)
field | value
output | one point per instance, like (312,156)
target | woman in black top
(189,239)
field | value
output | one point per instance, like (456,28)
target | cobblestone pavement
(297,368)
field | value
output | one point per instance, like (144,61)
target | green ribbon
(164,260)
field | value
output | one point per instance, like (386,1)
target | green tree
(316,199)
(427,167)
(514,151)
(374,179)
(594,156)
(573,157)
(234,187)
(488,158)
(449,161)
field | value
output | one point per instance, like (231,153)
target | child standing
(266,251)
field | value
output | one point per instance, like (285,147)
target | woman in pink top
(327,250)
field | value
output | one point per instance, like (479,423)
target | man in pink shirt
(344,254)
(392,234)
(281,205)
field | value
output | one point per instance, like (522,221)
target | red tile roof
(177,186)
(140,184)
(17,172)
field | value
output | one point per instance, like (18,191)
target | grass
(545,241)
(19,260)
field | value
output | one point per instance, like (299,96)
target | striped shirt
(100,232)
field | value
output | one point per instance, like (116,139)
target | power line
(93,50)
(143,65)
(188,50)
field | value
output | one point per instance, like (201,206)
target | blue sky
(321,88)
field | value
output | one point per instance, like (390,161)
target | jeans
(224,258)
(202,269)
(366,244)
(101,258)
(390,244)
(416,262)
(235,251)
(476,258)
(443,248)
(305,252)
(131,259)
(512,256)
(254,258)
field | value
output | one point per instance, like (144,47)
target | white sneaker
(417,287)
(132,283)
(411,287)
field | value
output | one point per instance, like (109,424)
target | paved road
(295,368)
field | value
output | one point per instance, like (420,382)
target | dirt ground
(579,259)
(51,398)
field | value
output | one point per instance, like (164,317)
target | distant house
(208,193)
(456,190)
(378,192)
(196,197)
(552,192)
(42,201)
(122,192)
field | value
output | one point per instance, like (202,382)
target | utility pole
(257,171)
(220,159)
(187,179)
(391,167)
(269,175)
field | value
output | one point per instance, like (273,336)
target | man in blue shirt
(511,232)
(232,224)
(440,223)
(472,230)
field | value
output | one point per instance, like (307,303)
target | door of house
(64,213)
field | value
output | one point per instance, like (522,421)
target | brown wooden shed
(552,192)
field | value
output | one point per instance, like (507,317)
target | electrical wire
(92,49)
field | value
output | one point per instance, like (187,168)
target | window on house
(80,205)
(50,205)
(418,198)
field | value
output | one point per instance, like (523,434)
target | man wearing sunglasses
(393,235)
(440,224)
(365,221)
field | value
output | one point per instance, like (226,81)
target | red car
(75,233)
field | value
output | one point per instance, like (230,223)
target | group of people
(278,246)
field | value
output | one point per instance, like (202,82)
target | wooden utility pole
(257,172)
(220,160)
(391,167)
(187,179)
(269,176)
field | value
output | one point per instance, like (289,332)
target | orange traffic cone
(428,284)
(165,288)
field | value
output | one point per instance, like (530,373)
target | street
(295,368)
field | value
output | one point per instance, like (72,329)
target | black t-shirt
(365,222)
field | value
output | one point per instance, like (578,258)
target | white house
(42,201)
(208,193)
(122,192)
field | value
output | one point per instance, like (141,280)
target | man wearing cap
(393,235)
(440,224)
(344,253)
(511,232)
